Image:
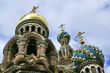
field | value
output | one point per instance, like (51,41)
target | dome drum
(32,27)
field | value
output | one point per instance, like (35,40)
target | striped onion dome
(88,54)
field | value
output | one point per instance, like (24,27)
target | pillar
(20,56)
(41,48)
(30,28)
(21,45)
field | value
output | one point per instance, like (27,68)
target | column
(21,45)
(29,28)
(41,48)
(36,29)
(24,29)
(9,56)
(20,56)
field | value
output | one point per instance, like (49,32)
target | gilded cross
(80,34)
(62,27)
(34,9)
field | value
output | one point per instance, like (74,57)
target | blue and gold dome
(63,35)
(88,54)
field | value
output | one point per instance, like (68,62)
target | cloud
(107,69)
(107,64)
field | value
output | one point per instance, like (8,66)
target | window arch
(87,70)
(60,53)
(93,69)
(27,28)
(43,33)
(33,28)
(82,72)
(99,70)
(31,48)
(60,71)
(39,30)
(21,30)
(14,50)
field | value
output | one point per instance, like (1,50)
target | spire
(34,9)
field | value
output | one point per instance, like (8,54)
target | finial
(80,34)
(62,27)
(34,9)
(81,39)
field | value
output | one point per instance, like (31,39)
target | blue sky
(90,16)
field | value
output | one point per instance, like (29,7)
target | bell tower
(65,53)
(30,50)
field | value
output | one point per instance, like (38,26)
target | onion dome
(32,17)
(63,36)
(88,55)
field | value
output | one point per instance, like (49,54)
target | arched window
(60,71)
(87,70)
(14,50)
(39,30)
(31,48)
(82,72)
(93,69)
(27,28)
(60,54)
(33,28)
(43,33)
(99,70)
(21,31)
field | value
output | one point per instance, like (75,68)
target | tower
(65,63)
(30,50)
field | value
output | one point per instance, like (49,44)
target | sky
(89,16)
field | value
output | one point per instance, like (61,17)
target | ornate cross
(34,9)
(62,27)
(80,34)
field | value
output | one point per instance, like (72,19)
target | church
(31,51)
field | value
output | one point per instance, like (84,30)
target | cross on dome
(62,27)
(34,9)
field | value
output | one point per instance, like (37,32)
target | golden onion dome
(34,16)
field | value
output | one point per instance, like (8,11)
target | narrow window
(14,50)
(39,30)
(93,69)
(21,30)
(27,28)
(31,49)
(60,54)
(99,70)
(33,28)
(87,70)
(82,72)
(43,33)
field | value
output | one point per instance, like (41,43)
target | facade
(31,51)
